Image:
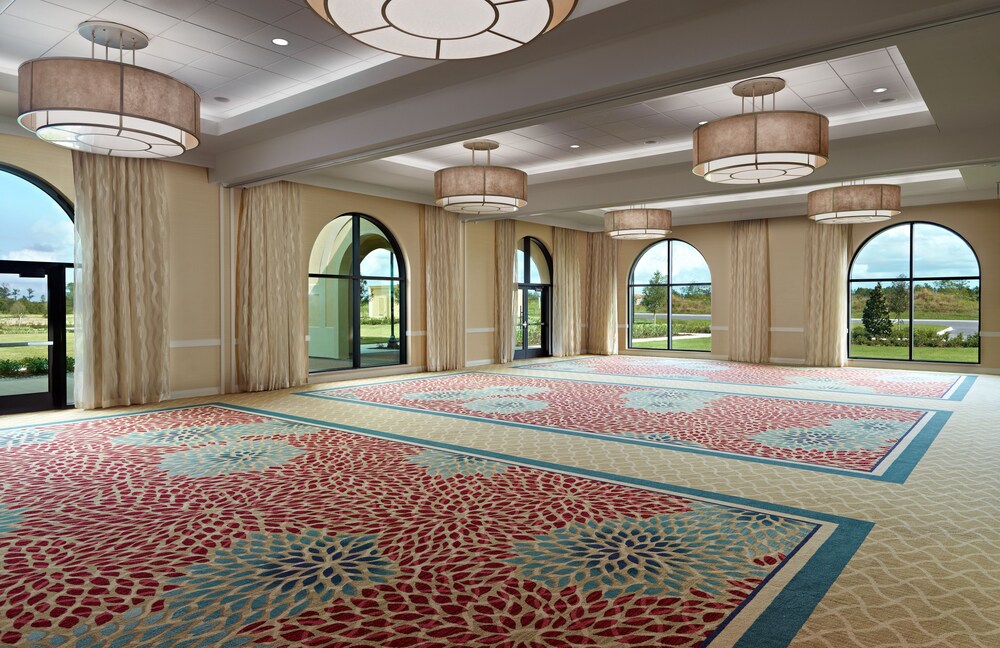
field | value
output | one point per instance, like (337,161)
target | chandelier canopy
(638,223)
(444,29)
(858,203)
(481,189)
(108,107)
(760,147)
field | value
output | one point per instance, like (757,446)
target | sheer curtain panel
(602,320)
(569,294)
(443,237)
(505,287)
(121,282)
(750,300)
(827,250)
(270,289)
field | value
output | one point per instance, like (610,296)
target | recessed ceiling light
(221,99)
(281,42)
(574,146)
(879,90)
(703,122)
(885,100)
(650,141)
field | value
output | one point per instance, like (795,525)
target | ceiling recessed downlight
(280,42)
(880,90)
(574,146)
(703,122)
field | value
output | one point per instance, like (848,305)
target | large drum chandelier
(859,203)
(482,188)
(106,106)
(444,29)
(761,146)
(638,223)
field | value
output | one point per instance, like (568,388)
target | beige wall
(480,288)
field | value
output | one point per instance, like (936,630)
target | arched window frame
(356,277)
(57,272)
(670,288)
(523,283)
(911,280)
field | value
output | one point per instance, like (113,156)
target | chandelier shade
(444,29)
(108,107)
(761,147)
(854,204)
(638,223)
(480,189)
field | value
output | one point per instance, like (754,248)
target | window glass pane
(539,269)
(880,324)
(938,252)
(331,253)
(330,324)
(380,331)
(689,266)
(884,256)
(377,259)
(652,261)
(946,321)
(70,336)
(649,317)
(691,318)
(34,227)
(24,321)
(519,263)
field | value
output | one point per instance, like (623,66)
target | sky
(689,264)
(33,227)
(938,252)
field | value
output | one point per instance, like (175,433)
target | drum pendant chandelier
(481,189)
(444,29)
(106,106)
(761,146)
(859,203)
(638,223)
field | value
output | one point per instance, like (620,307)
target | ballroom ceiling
(625,81)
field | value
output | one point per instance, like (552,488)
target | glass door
(33,336)
(533,274)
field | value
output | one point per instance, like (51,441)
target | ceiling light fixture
(703,122)
(761,146)
(108,107)
(574,146)
(856,203)
(280,42)
(483,188)
(444,29)
(638,223)
(879,90)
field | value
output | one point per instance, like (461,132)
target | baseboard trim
(193,393)
(787,361)
(479,363)
(360,374)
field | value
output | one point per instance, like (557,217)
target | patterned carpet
(883,442)
(220,525)
(854,380)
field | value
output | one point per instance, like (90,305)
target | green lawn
(680,344)
(376,333)
(939,354)
(23,353)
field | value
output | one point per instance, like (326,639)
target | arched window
(914,295)
(533,276)
(357,296)
(670,299)
(36,291)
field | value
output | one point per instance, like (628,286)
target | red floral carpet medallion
(214,526)
(885,382)
(855,439)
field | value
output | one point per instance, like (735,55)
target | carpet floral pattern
(217,526)
(858,439)
(884,382)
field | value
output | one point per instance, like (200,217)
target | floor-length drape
(445,275)
(505,288)
(750,296)
(270,289)
(602,319)
(827,249)
(569,294)
(121,282)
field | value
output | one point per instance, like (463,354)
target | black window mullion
(912,286)
(356,290)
